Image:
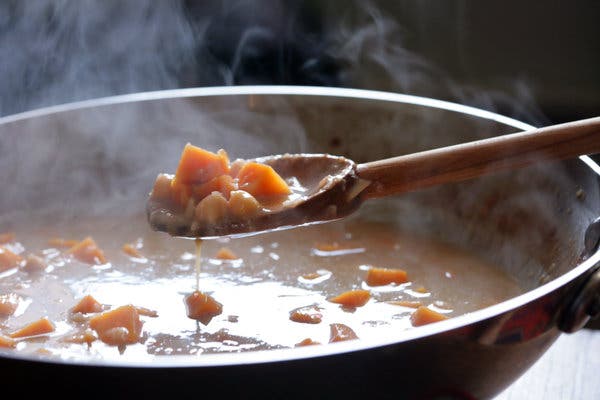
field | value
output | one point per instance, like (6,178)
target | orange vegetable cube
(9,260)
(306,315)
(87,305)
(406,303)
(202,307)
(86,336)
(197,165)
(118,327)
(385,276)
(261,180)
(7,342)
(8,304)
(424,315)
(39,327)
(225,253)
(88,251)
(340,333)
(352,298)
(223,184)
(131,251)
(306,342)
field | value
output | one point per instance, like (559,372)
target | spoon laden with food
(209,196)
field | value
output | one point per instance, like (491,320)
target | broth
(275,274)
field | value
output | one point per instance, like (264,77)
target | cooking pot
(539,224)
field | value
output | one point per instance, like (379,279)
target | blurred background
(536,61)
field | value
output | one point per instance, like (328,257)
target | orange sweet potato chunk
(385,276)
(118,327)
(352,298)
(225,253)
(306,315)
(261,180)
(39,327)
(87,251)
(424,315)
(197,165)
(9,260)
(202,307)
(7,342)
(405,303)
(306,342)
(223,184)
(340,333)
(87,305)
(131,251)
(8,304)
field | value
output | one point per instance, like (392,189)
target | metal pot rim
(213,360)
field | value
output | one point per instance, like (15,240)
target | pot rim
(331,349)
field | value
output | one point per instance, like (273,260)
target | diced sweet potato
(385,276)
(225,253)
(131,251)
(7,237)
(424,315)
(311,275)
(87,251)
(118,327)
(352,298)
(8,304)
(223,184)
(9,260)
(340,333)
(306,315)
(202,307)
(306,342)
(39,327)
(197,165)
(405,303)
(261,181)
(87,305)
(7,342)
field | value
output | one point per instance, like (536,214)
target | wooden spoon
(336,186)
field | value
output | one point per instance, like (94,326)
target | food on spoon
(39,327)
(208,191)
(424,315)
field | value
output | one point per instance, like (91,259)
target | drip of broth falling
(198,242)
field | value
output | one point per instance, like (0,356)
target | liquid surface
(275,274)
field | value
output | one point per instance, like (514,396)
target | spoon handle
(481,157)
